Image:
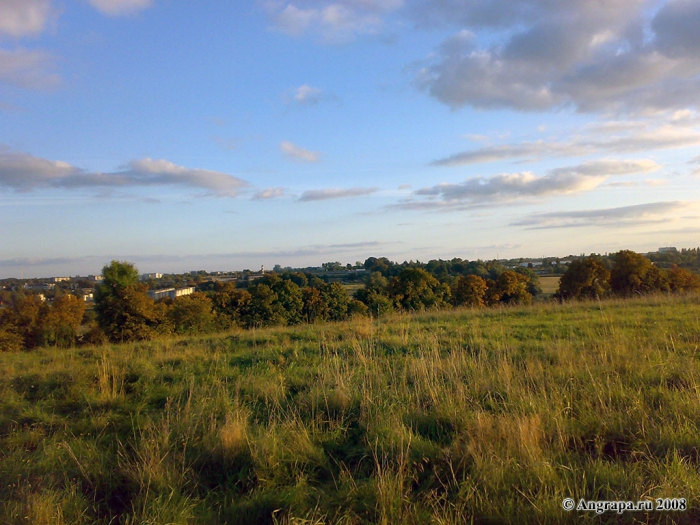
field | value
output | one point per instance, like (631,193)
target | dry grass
(485,416)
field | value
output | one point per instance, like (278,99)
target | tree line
(629,274)
(124,311)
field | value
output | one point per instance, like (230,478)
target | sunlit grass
(485,416)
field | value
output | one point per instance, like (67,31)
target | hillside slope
(487,415)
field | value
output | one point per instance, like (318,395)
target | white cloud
(23,172)
(635,138)
(295,21)
(120,7)
(654,212)
(269,193)
(510,187)
(23,17)
(676,28)
(295,152)
(334,22)
(28,69)
(608,168)
(542,54)
(307,95)
(335,193)
(148,172)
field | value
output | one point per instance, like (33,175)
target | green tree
(289,299)
(416,289)
(60,324)
(337,300)
(377,304)
(469,290)
(381,265)
(357,308)
(230,303)
(124,310)
(633,273)
(264,309)
(584,279)
(192,314)
(20,326)
(297,278)
(315,307)
(375,295)
(681,280)
(509,288)
(10,340)
(534,287)
(332,266)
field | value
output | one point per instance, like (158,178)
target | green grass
(549,284)
(461,416)
(352,288)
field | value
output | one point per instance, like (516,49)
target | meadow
(446,417)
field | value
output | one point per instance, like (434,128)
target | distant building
(173,293)
(40,286)
(60,279)
(148,276)
(668,249)
(94,278)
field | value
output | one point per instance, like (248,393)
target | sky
(225,135)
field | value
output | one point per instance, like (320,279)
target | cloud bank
(654,212)
(535,55)
(23,17)
(634,138)
(335,193)
(515,186)
(22,172)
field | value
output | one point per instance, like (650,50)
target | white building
(171,292)
(148,276)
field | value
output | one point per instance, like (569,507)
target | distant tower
(262,269)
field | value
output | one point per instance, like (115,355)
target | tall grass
(483,416)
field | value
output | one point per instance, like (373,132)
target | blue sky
(226,135)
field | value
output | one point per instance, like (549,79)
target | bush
(192,314)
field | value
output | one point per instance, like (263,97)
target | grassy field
(461,416)
(549,284)
(353,287)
